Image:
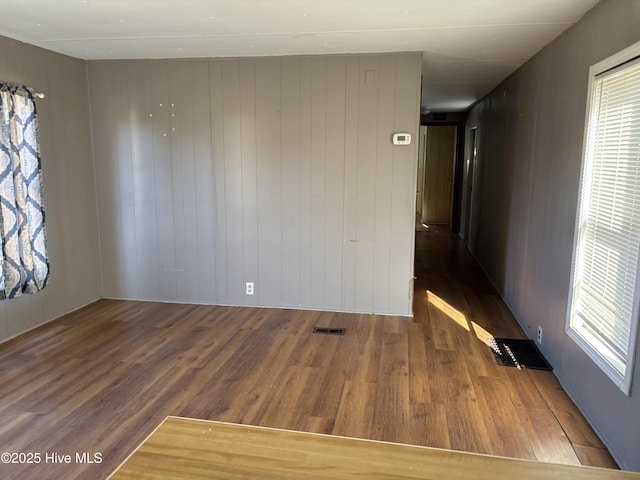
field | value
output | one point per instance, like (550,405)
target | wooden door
(438,174)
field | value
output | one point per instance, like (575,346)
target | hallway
(484,407)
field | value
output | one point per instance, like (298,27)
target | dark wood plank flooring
(100,379)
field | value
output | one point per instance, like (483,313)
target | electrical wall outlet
(539,334)
(249,288)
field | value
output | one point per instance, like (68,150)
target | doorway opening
(439,180)
(467,189)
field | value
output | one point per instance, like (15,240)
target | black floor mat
(512,352)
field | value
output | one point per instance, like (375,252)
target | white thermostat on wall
(402,139)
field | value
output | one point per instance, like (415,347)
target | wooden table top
(183,448)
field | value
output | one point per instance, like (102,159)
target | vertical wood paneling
(4,327)
(160,108)
(127,260)
(366,181)
(4,61)
(406,114)
(204,259)
(58,78)
(17,56)
(318,179)
(143,176)
(352,118)
(54,293)
(219,175)
(69,185)
(384,177)
(181,123)
(524,127)
(290,139)
(61,73)
(27,310)
(178,167)
(278,171)
(249,176)
(334,186)
(233,179)
(306,179)
(106,165)
(269,283)
(80,173)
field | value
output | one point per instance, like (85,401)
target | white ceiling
(468,46)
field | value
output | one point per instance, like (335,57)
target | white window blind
(603,307)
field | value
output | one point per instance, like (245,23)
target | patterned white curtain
(24,266)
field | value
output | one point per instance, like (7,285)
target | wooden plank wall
(278,171)
(69,188)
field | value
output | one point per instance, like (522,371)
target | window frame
(581,336)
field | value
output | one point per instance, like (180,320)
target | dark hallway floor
(485,407)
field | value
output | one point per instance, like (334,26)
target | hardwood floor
(99,380)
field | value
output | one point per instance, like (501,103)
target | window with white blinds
(603,302)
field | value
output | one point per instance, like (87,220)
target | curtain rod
(35,94)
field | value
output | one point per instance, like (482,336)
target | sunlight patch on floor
(481,333)
(448,310)
(459,317)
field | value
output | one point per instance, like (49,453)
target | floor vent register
(512,352)
(329,331)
